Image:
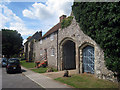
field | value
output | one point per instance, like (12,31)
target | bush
(66,22)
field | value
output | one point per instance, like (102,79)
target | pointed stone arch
(67,54)
(87,57)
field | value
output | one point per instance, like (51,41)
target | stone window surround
(52,51)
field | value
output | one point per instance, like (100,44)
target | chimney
(40,33)
(62,17)
(29,38)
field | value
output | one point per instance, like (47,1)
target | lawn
(40,70)
(27,64)
(31,65)
(86,81)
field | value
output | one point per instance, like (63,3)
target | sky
(35,15)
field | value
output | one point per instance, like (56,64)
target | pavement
(42,80)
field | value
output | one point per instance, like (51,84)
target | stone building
(70,48)
(28,46)
(47,47)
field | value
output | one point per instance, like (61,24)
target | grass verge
(31,66)
(27,64)
(86,81)
(40,70)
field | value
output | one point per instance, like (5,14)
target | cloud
(50,11)
(15,23)
(45,14)
(5,2)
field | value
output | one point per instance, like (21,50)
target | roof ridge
(52,30)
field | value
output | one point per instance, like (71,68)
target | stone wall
(75,34)
(47,43)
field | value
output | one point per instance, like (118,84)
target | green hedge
(101,21)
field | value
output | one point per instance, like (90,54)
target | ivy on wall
(66,22)
(101,21)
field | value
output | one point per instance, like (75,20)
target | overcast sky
(29,17)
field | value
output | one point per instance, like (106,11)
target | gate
(88,59)
(69,55)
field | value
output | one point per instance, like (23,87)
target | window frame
(52,37)
(52,51)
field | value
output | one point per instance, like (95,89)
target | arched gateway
(68,54)
(69,61)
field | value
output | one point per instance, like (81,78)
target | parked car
(4,62)
(13,65)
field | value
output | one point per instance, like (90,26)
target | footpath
(42,80)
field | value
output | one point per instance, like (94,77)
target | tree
(101,21)
(11,42)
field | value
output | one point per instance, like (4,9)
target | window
(40,41)
(41,51)
(52,37)
(45,38)
(52,51)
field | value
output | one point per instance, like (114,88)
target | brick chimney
(29,38)
(62,17)
(40,32)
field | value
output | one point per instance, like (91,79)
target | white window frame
(41,52)
(52,51)
(40,41)
(52,37)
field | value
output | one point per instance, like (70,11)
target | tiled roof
(52,30)
(29,37)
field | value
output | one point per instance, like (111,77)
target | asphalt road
(17,80)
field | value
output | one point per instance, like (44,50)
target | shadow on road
(23,70)
(17,72)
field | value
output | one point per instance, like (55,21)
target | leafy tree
(11,42)
(101,21)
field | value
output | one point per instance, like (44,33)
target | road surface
(17,80)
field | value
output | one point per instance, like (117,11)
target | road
(17,80)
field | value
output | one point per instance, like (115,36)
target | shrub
(66,22)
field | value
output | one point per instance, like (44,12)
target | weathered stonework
(75,34)
(47,44)
(29,46)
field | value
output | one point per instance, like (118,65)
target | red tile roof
(29,37)
(52,30)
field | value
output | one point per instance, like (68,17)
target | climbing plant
(101,21)
(66,22)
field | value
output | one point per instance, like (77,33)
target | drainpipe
(57,49)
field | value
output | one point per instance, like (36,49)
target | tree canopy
(101,21)
(11,42)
